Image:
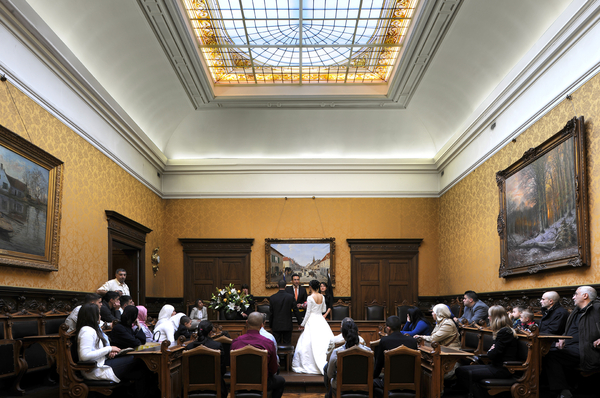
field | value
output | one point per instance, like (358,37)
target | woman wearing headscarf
(142,316)
(445,331)
(165,329)
(127,333)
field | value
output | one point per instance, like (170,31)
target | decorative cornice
(207,245)
(126,226)
(383,245)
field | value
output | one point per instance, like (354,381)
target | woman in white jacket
(165,329)
(93,345)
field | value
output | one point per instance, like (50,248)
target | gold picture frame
(313,258)
(30,204)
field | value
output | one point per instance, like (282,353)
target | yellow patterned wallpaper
(469,243)
(92,184)
(302,218)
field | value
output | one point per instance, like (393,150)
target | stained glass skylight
(300,41)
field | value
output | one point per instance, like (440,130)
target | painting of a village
(23,204)
(541,209)
(309,260)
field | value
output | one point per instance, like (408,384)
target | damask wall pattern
(341,218)
(92,184)
(469,243)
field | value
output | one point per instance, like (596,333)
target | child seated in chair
(185,324)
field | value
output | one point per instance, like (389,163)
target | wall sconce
(155,260)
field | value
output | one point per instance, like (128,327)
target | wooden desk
(164,360)
(436,361)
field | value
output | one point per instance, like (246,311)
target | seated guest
(475,310)
(185,323)
(394,339)
(142,316)
(71,320)
(515,316)
(264,333)
(445,332)
(204,329)
(93,345)
(125,301)
(126,333)
(254,323)
(164,329)
(582,351)
(350,334)
(337,340)
(416,323)
(554,315)
(250,298)
(527,321)
(110,307)
(504,348)
(198,314)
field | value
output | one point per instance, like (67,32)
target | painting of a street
(309,260)
(541,209)
(23,204)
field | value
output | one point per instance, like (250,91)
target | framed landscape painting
(543,221)
(30,192)
(309,258)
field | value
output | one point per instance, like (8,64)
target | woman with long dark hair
(311,350)
(350,334)
(93,345)
(127,333)
(416,324)
(326,292)
(204,330)
(503,349)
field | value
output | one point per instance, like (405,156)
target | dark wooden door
(212,263)
(385,270)
(126,257)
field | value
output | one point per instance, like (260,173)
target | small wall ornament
(155,260)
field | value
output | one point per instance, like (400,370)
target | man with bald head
(254,323)
(582,350)
(554,315)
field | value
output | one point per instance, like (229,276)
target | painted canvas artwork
(541,209)
(23,204)
(309,260)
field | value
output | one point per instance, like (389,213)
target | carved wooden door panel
(383,270)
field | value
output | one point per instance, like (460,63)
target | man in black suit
(299,294)
(395,338)
(280,319)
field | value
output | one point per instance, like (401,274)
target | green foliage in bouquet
(228,299)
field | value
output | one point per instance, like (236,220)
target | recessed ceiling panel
(300,41)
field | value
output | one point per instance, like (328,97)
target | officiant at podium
(299,294)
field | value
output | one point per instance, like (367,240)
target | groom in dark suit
(280,319)
(299,294)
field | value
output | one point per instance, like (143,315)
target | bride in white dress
(311,350)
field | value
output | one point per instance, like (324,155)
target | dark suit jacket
(390,342)
(282,304)
(108,315)
(302,295)
(554,319)
(124,337)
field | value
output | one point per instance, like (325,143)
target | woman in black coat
(204,329)
(502,350)
(127,333)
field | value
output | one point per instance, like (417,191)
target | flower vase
(231,315)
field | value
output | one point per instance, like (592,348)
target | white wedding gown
(311,350)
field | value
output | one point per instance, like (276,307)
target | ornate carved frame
(24,148)
(573,129)
(270,241)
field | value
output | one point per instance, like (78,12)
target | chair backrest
(355,371)
(375,311)
(488,341)
(202,370)
(340,310)
(402,310)
(456,306)
(264,307)
(226,342)
(249,370)
(470,340)
(402,370)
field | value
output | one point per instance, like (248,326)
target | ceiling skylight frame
(373,69)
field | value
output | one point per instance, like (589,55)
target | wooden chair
(402,310)
(249,373)
(226,342)
(264,307)
(340,310)
(354,373)
(375,311)
(71,382)
(457,307)
(201,372)
(402,372)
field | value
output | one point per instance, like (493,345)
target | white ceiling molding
(166,19)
